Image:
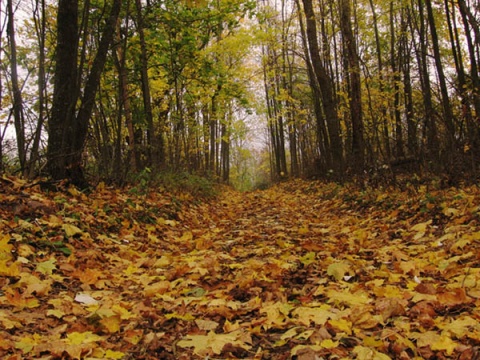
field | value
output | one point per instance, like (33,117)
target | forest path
(301,269)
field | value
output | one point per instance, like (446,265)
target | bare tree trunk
(40,27)
(18,115)
(470,24)
(383,110)
(431,133)
(396,64)
(325,160)
(120,62)
(155,143)
(67,132)
(61,122)
(326,88)
(354,86)
(448,117)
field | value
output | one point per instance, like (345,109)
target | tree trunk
(18,115)
(431,134)
(62,118)
(383,110)
(324,162)
(354,86)
(448,116)
(155,143)
(326,89)
(120,62)
(40,27)
(396,64)
(67,132)
(470,24)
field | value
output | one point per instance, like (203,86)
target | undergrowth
(176,183)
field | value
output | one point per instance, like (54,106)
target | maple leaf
(27,343)
(338,270)
(46,267)
(71,230)
(9,268)
(111,323)
(316,315)
(20,302)
(365,353)
(213,343)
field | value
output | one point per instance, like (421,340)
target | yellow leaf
(317,315)
(338,270)
(77,338)
(329,344)
(163,262)
(7,268)
(444,343)
(277,313)
(303,230)
(110,354)
(214,343)
(421,227)
(5,247)
(302,348)
(291,333)
(46,267)
(308,258)
(124,313)
(159,288)
(111,323)
(71,230)
(230,327)
(365,353)
(357,298)
(186,317)
(341,325)
(459,327)
(372,342)
(56,313)
(26,344)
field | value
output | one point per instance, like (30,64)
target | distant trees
(390,83)
(117,87)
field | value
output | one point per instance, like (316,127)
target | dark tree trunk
(431,134)
(62,118)
(448,117)
(67,132)
(18,115)
(354,86)
(326,88)
(155,143)
(40,27)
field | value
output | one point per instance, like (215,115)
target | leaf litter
(303,270)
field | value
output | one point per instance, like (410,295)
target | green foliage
(177,184)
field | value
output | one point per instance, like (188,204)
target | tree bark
(67,132)
(448,117)
(18,115)
(354,86)
(326,89)
(40,26)
(62,118)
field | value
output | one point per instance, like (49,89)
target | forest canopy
(242,91)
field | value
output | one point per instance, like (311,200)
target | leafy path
(303,269)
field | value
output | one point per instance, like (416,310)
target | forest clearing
(301,270)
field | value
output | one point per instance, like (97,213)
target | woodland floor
(299,271)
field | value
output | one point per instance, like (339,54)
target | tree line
(338,88)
